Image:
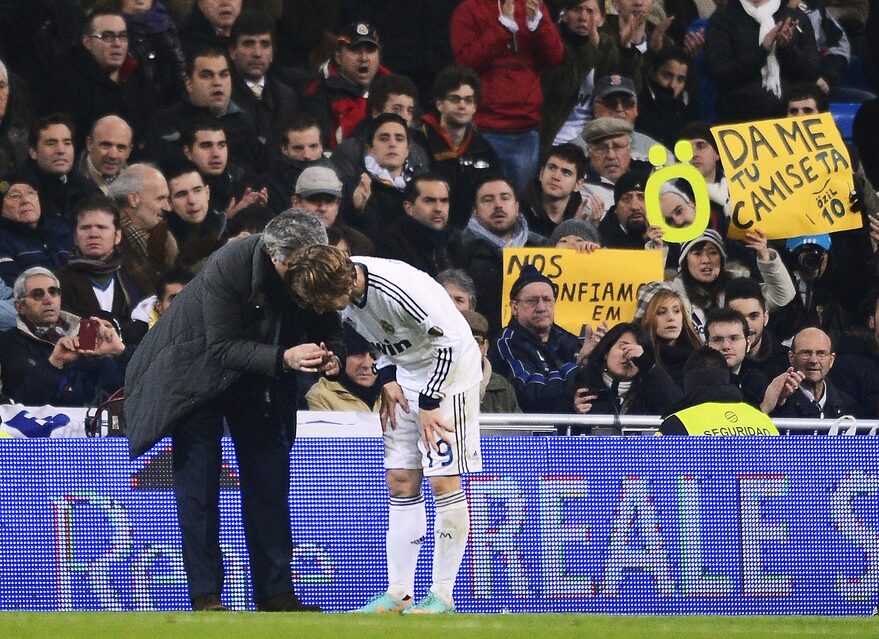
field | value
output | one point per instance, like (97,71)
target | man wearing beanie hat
(625,225)
(533,352)
(27,237)
(576,234)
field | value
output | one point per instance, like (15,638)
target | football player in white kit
(430,369)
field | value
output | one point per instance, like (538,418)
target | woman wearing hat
(703,274)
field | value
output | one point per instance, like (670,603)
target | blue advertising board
(784,525)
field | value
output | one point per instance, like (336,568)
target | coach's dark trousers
(262,446)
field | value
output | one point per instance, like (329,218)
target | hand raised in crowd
(656,38)
(780,389)
(391,397)
(590,341)
(631,351)
(583,399)
(632,30)
(64,352)
(248,198)
(821,83)
(532,7)
(654,235)
(108,343)
(756,239)
(362,193)
(591,209)
(433,427)
(308,358)
(694,41)
(787,31)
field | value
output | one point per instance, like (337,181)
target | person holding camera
(621,376)
(54,357)
(831,277)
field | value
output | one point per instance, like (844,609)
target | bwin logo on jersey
(392,349)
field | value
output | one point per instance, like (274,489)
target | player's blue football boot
(383,604)
(432,604)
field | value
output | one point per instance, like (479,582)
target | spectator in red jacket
(508,44)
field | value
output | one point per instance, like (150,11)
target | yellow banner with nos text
(592,287)
(787,177)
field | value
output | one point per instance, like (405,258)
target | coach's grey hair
(292,230)
(18,289)
(129,181)
(462,280)
(4,73)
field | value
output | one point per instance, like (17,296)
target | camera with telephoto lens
(808,257)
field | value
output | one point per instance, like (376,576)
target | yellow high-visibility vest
(719,419)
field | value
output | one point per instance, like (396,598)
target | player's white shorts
(404,448)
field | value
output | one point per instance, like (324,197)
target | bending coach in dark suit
(228,348)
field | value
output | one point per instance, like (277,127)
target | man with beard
(496,224)
(625,225)
(94,280)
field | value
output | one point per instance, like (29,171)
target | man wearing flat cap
(338,101)
(609,146)
(533,352)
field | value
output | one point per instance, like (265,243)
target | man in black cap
(338,101)
(625,225)
(533,352)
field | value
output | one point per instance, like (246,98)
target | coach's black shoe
(285,602)
(208,603)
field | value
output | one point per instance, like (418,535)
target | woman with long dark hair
(621,376)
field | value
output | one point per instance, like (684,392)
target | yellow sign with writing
(592,287)
(787,177)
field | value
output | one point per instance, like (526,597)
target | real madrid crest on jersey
(435,331)
(387,327)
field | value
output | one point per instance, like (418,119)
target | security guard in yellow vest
(712,405)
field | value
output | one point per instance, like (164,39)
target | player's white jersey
(411,322)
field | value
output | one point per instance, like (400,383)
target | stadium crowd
(138,137)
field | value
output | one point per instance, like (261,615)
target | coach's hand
(433,427)
(392,395)
(307,358)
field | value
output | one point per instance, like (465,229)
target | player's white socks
(407,527)
(451,530)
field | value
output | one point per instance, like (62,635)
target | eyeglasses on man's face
(37,294)
(109,36)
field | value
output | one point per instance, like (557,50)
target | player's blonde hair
(320,274)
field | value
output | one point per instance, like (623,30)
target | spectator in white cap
(703,273)
(319,192)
